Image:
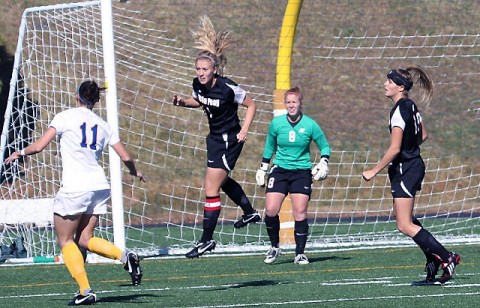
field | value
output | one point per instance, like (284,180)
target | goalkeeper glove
(261,172)
(320,171)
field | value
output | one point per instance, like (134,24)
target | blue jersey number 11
(83,144)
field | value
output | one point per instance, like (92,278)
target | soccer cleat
(88,299)
(200,248)
(133,268)
(449,267)
(247,219)
(272,254)
(431,267)
(301,259)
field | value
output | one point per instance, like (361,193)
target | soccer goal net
(341,54)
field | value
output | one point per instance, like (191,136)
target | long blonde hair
(419,77)
(212,45)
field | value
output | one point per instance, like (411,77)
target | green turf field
(360,278)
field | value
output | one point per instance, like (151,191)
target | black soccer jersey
(220,104)
(405,115)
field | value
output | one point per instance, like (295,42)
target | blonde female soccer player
(406,168)
(85,190)
(219,97)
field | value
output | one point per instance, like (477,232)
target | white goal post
(61,45)
(34,208)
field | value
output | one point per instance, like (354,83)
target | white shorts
(76,203)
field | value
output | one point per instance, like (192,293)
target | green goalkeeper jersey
(290,142)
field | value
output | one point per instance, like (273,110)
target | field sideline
(361,278)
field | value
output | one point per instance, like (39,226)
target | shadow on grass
(125,285)
(333,258)
(257,283)
(285,259)
(133,298)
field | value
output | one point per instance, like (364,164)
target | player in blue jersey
(219,97)
(406,168)
(85,190)
(289,137)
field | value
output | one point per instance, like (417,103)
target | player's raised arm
(35,147)
(188,102)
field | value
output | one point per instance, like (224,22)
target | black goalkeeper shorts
(289,181)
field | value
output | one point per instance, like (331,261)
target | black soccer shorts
(289,181)
(223,151)
(406,178)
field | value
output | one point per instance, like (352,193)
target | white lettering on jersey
(209,101)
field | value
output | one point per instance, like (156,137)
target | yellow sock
(104,248)
(76,266)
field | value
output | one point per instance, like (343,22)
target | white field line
(336,300)
(387,281)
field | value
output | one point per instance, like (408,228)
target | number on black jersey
(417,120)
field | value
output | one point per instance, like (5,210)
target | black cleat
(449,267)
(88,299)
(431,267)
(200,248)
(133,268)
(247,219)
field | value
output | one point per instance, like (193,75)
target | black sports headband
(84,101)
(399,80)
